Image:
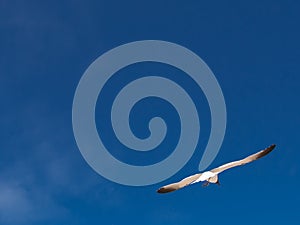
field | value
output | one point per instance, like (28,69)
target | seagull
(212,175)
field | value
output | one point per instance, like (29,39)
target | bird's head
(214,179)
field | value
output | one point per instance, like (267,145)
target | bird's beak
(218,183)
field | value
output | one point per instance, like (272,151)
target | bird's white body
(205,176)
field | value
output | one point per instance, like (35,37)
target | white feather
(204,176)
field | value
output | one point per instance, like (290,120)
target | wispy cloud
(43,173)
(22,204)
(15,204)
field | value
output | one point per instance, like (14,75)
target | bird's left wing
(245,160)
(175,186)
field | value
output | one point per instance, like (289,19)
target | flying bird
(212,175)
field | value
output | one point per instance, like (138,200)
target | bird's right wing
(243,161)
(180,184)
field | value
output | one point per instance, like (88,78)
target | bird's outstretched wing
(180,184)
(244,161)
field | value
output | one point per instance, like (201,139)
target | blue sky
(252,48)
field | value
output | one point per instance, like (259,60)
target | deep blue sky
(253,49)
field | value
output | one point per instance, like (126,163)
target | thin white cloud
(15,204)
(21,203)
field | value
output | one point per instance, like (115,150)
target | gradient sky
(253,49)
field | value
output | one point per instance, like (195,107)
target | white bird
(212,175)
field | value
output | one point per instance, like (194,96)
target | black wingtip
(159,191)
(163,190)
(267,150)
(271,147)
